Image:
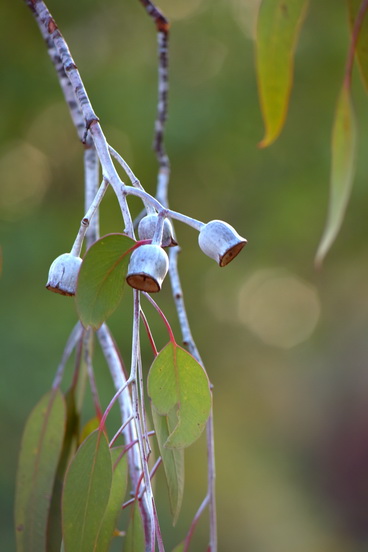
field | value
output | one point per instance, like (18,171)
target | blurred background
(285,346)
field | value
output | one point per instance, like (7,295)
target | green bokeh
(290,419)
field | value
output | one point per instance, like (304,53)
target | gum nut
(63,274)
(220,241)
(147,268)
(147,227)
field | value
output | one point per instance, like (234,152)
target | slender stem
(165,320)
(211,482)
(149,333)
(194,523)
(145,196)
(85,222)
(354,39)
(120,431)
(148,525)
(116,368)
(71,343)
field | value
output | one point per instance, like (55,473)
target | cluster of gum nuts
(149,262)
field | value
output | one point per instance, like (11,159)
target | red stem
(354,39)
(165,320)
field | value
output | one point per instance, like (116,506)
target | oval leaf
(135,541)
(179,387)
(39,456)
(342,171)
(86,493)
(361,49)
(117,493)
(173,461)
(278,26)
(101,279)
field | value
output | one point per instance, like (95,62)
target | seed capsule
(147,227)
(147,268)
(220,241)
(63,274)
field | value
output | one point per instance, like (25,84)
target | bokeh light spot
(279,307)
(24,177)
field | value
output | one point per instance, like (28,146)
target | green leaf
(362,42)
(278,26)
(39,456)
(88,428)
(173,461)
(117,493)
(135,541)
(86,493)
(342,171)
(101,279)
(179,387)
(54,531)
(179,547)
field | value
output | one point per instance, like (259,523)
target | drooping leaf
(362,42)
(117,493)
(278,26)
(179,387)
(39,456)
(342,171)
(101,278)
(54,532)
(179,547)
(173,461)
(134,541)
(86,493)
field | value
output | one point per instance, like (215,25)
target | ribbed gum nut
(63,274)
(147,227)
(147,268)
(220,241)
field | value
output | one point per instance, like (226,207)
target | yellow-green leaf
(179,388)
(39,456)
(362,42)
(278,26)
(173,461)
(86,493)
(342,171)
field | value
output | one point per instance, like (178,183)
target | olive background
(285,346)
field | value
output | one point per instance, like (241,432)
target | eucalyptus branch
(91,187)
(85,222)
(150,532)
(115,365)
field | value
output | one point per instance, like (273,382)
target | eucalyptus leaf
(86,493)
(116,498)
(54,531)
(101,279)
(278,27)
(40,451)
(135,541)
(178,386)
(173,461)
(342,171)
